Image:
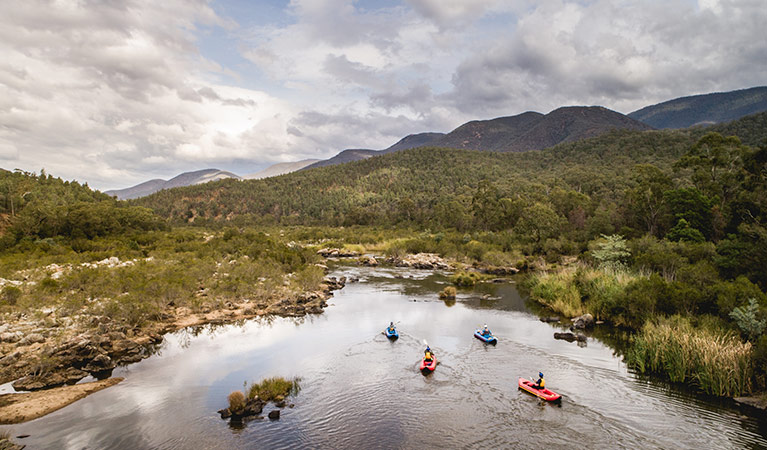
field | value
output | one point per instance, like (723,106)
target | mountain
(535,131)
(185,179)
(281,169)
(495,134)
(704,109)
(406,143)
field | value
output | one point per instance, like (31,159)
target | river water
(359,390)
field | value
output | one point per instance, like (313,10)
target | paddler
(391,327)
(541,383)
(486,331)
(427,355)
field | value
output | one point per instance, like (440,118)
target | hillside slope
(184,179)
(704,109)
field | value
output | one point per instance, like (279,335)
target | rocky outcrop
(583,322)
(336,253)
(274,414)
(429,261)
(499,270)
(252,407)
(754,402)
(369,261)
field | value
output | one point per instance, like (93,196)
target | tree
(647,200)
(612,253)
(538,223)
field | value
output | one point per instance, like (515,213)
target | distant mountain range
(706,109)
(281,169)
(523,132)
(185,179)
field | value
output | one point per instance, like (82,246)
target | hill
(705,109)
(535,131)
(408,142)
(281,169)
(184,179)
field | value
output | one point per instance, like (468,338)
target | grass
(273,388)
(448,293)
(717,362)
(556,291)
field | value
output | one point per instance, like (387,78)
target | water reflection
(361,390)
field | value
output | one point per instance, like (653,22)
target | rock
(754,402)
(253,407)
(570,337)
(100,363)
(73,375)
(583,322)
(10,359)
(11,337)
(368,261)
(274,415)
(33,338)
(421,261)
(549,319)
(225,413)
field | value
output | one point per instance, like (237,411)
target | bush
(236,402)
(11,294)
(747,318)
(271,388)
(448,293)
(465,279)
(557,292)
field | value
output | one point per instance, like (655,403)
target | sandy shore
(18,408)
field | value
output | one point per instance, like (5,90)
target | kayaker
(541,383)
(391,327)
(427,355)
(486,331)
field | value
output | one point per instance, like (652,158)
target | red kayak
(429,365)
(544,393)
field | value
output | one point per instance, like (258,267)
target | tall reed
(718,363)
(556,291)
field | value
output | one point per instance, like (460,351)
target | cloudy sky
(116,92)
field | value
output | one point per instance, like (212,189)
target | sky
(117,92)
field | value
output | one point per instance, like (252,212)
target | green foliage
(747,318)
(682,231)
(10,295)
(718,363)
(556,291)
(465,279)
(271,388)
(611,253)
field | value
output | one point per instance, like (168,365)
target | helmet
(540,374)
(428,349)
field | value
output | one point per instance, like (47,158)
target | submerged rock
(570,337)
(274,415)
(549,319)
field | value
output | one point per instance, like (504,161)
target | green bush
(271,388)
(748,320)
(11,295)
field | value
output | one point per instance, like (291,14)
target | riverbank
(18,408)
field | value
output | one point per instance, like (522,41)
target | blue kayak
(486,339)
(391,334)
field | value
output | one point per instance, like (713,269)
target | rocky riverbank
(41,354)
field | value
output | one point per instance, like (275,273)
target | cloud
(622,57)
(116,93)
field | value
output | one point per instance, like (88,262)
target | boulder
(583,322)
(549,319)
(570,337)
(368,261)
(100,363)
(34,338)
(225,413)
(11,337)
(274,415)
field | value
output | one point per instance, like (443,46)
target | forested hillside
(434,187)
(41,206)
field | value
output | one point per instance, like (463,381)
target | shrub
(11,294)
(270,388)
(465,279)
(236,402)
(747,318)
(448,293)
(611,252)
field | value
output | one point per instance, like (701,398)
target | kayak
(488,340)
(391,334)
(428,366)
(544,393)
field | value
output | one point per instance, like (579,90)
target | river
(359,390)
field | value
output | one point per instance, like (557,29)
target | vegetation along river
(359,390)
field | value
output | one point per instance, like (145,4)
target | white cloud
(116,93)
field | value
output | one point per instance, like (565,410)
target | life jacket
(541,383)
(427,356)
